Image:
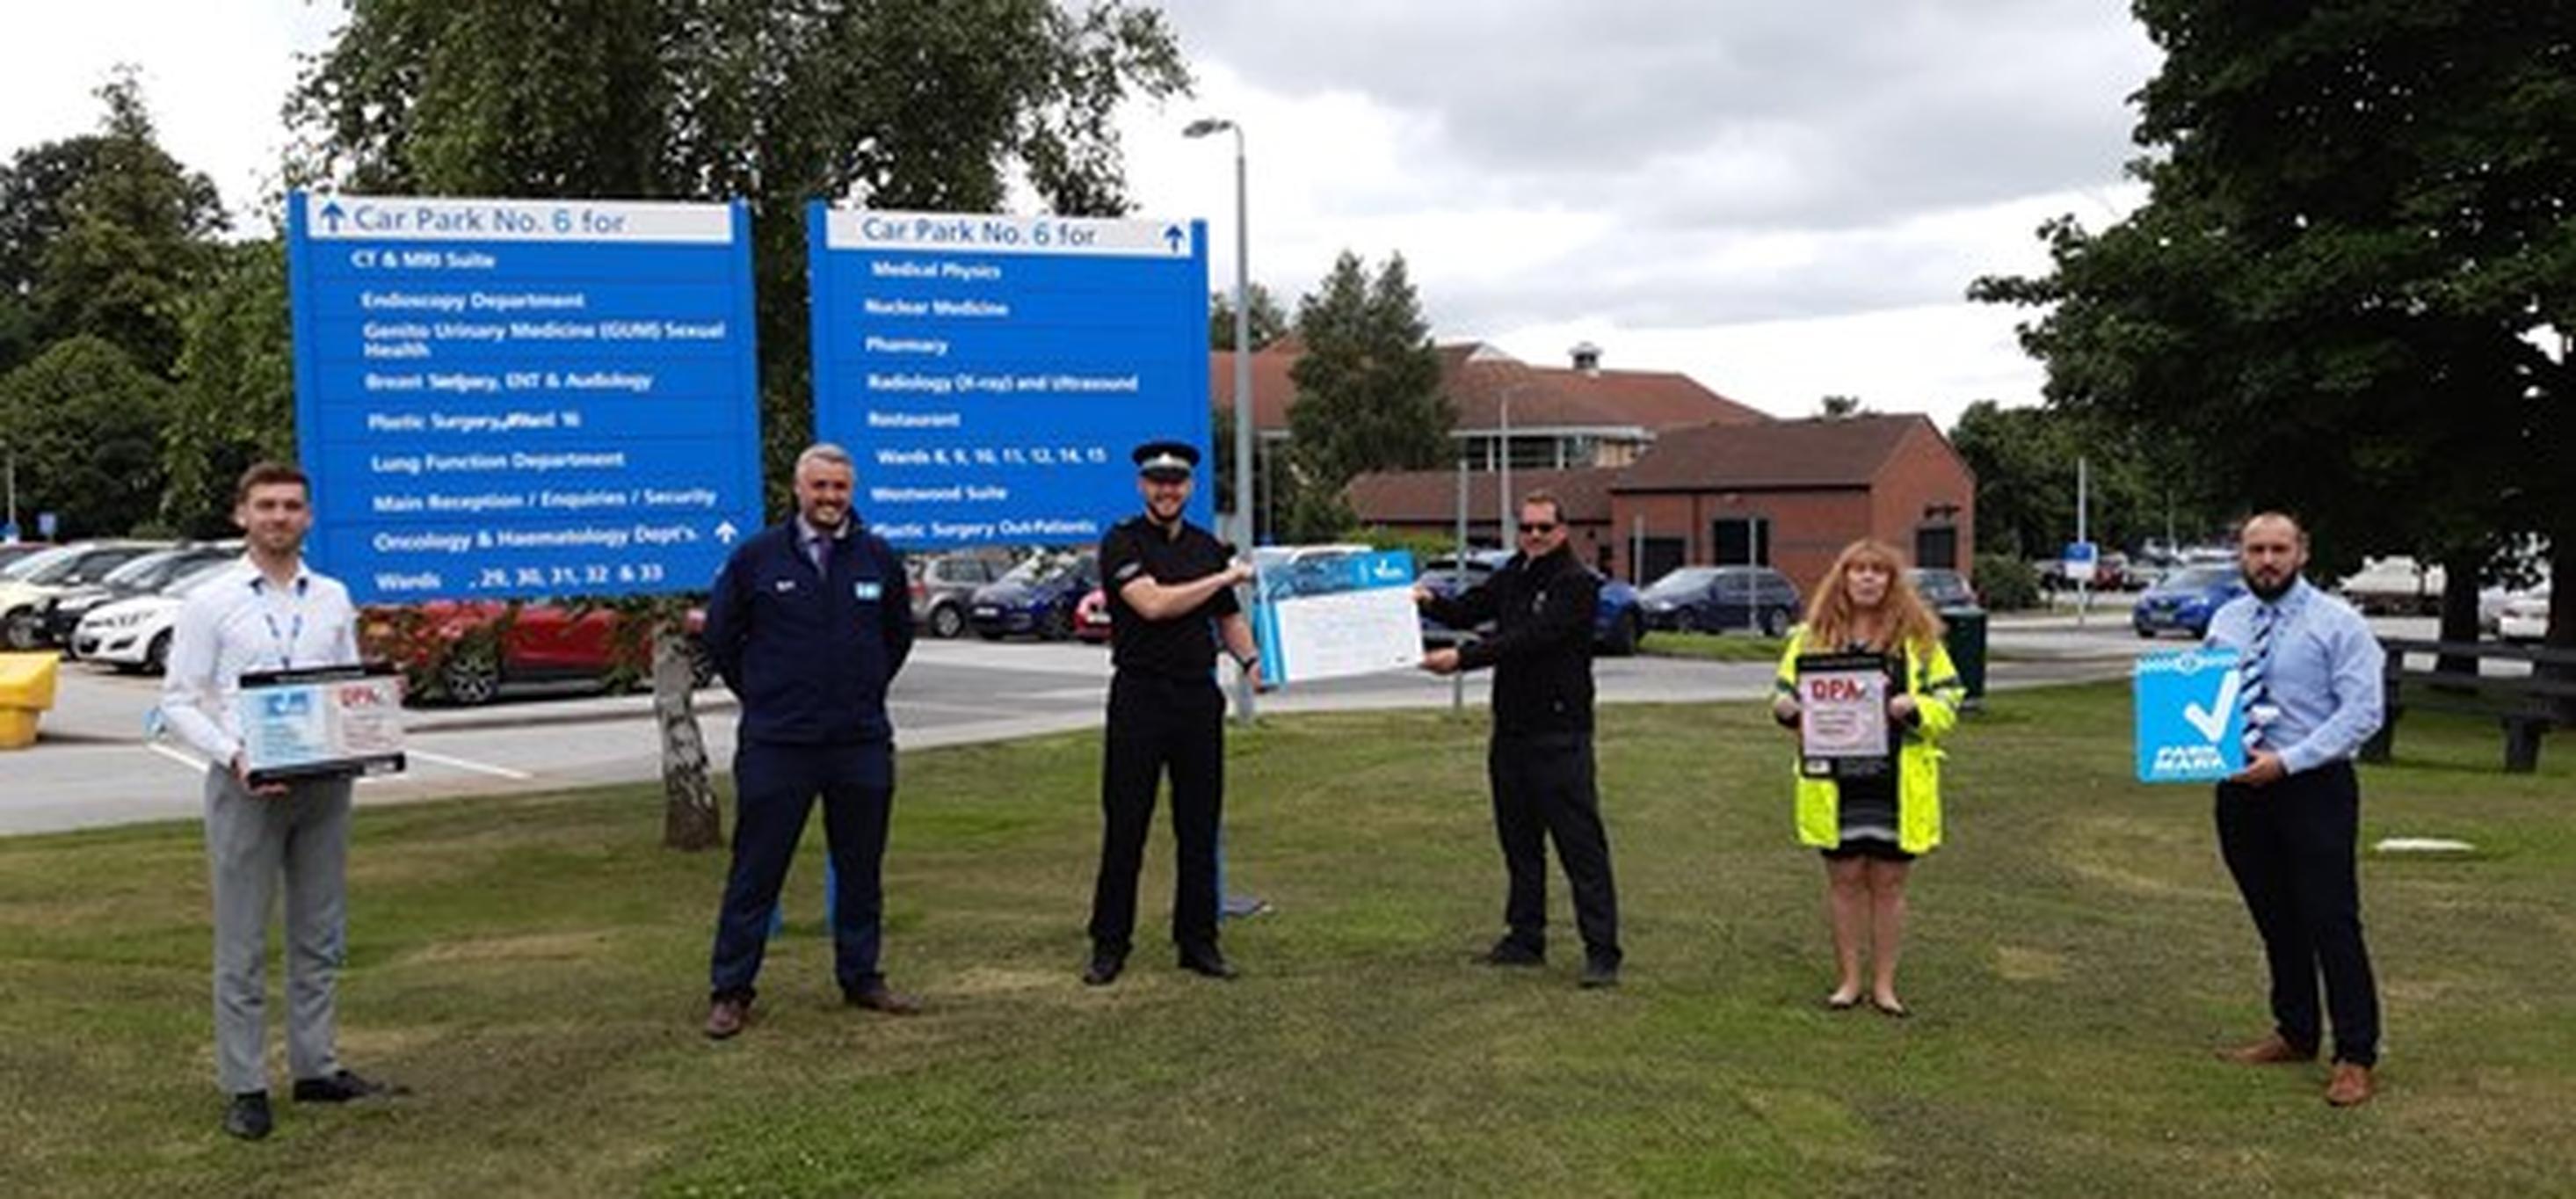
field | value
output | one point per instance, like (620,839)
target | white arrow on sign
(726,533)
(2212,720)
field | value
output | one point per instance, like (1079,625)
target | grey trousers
(251,842)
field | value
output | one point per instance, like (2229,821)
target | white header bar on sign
(983,233)
(329,217)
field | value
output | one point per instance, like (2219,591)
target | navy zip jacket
(811,656)
(1541,650)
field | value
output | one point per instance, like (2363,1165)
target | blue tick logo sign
(2190,718)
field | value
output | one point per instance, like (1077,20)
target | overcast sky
(1781,200)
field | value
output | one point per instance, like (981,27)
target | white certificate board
(1333,611)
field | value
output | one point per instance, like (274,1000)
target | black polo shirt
(1183,647)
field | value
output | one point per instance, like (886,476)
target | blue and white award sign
(1332,611)
(991,373)
(2190,716)
(517,398)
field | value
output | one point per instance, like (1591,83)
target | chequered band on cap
(1164,461)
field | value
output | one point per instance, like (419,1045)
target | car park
(145,575)
(2184,600)
(1715,599)
(1942,588)
(27,583)
(469,651)
(133,633)
(11,551)
(1035,598)
(1618,618)
(2525,617)
(944,586)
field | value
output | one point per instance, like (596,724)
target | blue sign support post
(991,373)
(503,399)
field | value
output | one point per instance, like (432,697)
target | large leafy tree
(912,104)
(235,399)
(84,422)
(2358,222)
(2025,459)
(113,236)
(1268,323)
(1368,390)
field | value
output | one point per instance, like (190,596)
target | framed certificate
(1842,722)
(1333,611)
(331,722)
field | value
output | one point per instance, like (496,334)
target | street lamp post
(1245,534)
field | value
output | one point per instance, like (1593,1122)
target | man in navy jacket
(808,623)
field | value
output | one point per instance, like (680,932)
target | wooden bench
(2526,704)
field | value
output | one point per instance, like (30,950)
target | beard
(2268,592)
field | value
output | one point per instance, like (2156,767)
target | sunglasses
(1538,528)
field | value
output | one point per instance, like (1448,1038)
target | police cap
(1166,460)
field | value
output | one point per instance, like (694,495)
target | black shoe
(247,1116)
(1104,969)
(1208,962)
(343,1087)
(878,997)
(1598,974)
(1508,952)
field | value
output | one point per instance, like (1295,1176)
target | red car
(468,650)
(1091,616)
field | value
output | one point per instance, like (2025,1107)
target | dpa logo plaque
(2190,716)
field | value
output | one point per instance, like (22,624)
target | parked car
(133,633)
(1091,616)
(11,551)
(944,586)
(2394,586)
(1036,597)
(2185,600)
(1714,599)
(1618,616)
(27,583)
(1942,588)
(468,651)
(146,575)
(2525,617)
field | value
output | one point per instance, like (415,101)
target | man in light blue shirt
(2288,823)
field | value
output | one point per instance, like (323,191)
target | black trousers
(774,791)
(1544,788)
(2290,846)
(1158,725)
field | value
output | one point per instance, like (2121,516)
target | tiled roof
(1817,452)
(1431,496)
(1542,397)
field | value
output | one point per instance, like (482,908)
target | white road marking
(501,772)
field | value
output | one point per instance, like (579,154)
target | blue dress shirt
(2324,677)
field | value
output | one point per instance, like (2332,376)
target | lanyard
(287,637)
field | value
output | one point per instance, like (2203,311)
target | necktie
(2256,672)
(822,555)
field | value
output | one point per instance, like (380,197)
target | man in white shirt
(268,612)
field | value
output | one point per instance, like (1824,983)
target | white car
(134,634)
(2395,586)
(2525,617)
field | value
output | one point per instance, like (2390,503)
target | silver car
(943,586)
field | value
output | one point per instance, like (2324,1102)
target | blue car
(1617,621)
(2185,600)
(1037,597)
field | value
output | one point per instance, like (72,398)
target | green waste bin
(1965,638)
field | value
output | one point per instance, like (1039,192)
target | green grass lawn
(535,968)
(1715,647)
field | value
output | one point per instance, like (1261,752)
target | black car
(1714,599)
(141,576)
(1942,589)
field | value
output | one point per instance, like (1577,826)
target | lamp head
(1205,126)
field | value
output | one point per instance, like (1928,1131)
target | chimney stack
(1587,358)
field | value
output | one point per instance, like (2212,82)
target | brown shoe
(2351,1085)
(2272,1050)
(725,1017)
(880,998)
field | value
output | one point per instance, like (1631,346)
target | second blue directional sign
(516,398)
(991,373)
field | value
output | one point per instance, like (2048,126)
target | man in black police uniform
(1540,761)
(808,623)
(1170,587)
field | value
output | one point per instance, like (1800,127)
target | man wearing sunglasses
(1540,761)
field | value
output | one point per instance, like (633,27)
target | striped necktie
(2259,710)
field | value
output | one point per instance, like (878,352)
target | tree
(1269,321)
(2025,460)
(118,233)
(2357,219)
(235,402)
(915,104)
(1368,391)
(85,424)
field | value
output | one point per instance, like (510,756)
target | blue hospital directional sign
(519,398)
(991,373)
(2190,716)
